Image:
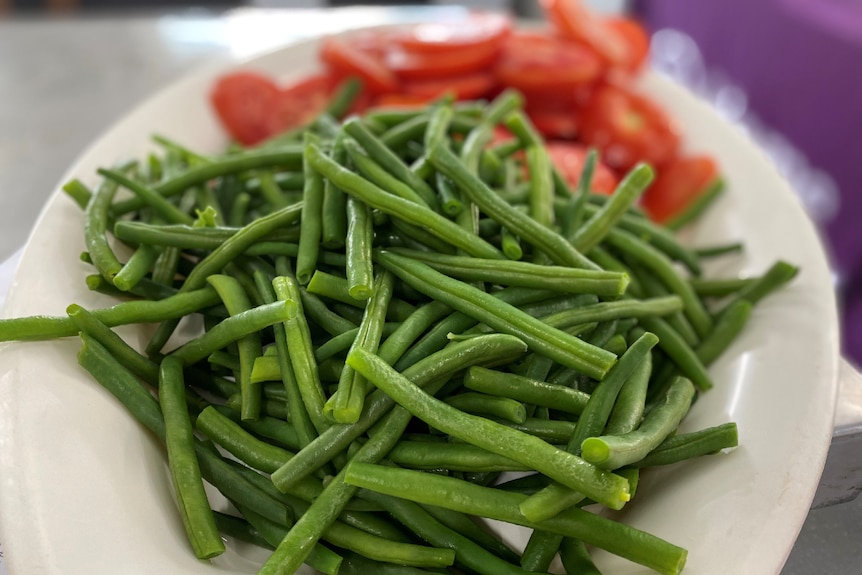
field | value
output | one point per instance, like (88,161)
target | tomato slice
(635,39)
(677,185)
(479,29)
(555,124)
(569,159)
(300,102)
(628,128)
(576,22)
(537,62)
(401,101)
(423,66)
(466,87)
(244,102)
(344,60)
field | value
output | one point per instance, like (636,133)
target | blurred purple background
(799,63)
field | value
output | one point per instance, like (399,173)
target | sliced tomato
(466,87)
(345,60)
(423,66)
(299,103)
(401,101)
(478,30)
(576,22)
(569,159)
(677,185)
(555,124)
(628,128)
(537,62)
(244,102)
(635,39)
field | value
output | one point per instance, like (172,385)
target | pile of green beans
(374,357)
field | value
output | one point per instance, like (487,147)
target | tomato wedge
(478,30)
(299,103)
(635,39)
(677,185)
(578,23)
(423,66)
(345,60)
(569,159)
(244,102)
(536,62)
(628,128)
(466,87)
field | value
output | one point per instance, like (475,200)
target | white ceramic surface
(84,489)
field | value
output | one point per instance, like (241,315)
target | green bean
(558,345)
(688,445)
(467,552)
(718,250)
(249,346)
(492,349)
(776,276)
(575,202)
(466,526)
(450,201)
(334,209)
(408,211)
(150,196)
(79,193)
(310,226)
(275,430)
(452,456)
(394,347)
(606,488)
(378,175)
(238,212)
(36,328)
(540,550)
(438,124)
(610,262)
(289,156)
(299,348)
(96,222)
(719,287)
(398,136)
(628,410)
(555,498)
(346,404)
(344,96)
(510,244)
(543,238)
(360,235)
(240,443)
(239,529)
(697,207)
(489,405)
(322,316)
(333,287)
(136,268)
(184,152)
(286,182)
(388,160)
(622,540)
(356,564)
(612,451)
(616,344)
(88,323)
(659,264)
(541,185)
(656,235)
(682,355)
(523,274)
(728,325)
(576,559)
(185,472)
(184,237)
(525,389)
(297,413)
(232,329)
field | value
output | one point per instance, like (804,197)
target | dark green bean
(489,405)
(310,224)
(150,197)
(378,175)
(629,407)
(682,355)
(719,287)
(452,456)
(688,445)
(576,559)
(525,389)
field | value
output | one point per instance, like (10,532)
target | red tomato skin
(677,185)
(480,29)
(298,103)
(344,60)
(466,87)
(409,66)
(569,159)
(244,102)
(539,63)
(636,40)
(628,128)
(576,22)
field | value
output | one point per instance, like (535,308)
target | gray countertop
(64,81)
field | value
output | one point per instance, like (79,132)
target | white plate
(85,490)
